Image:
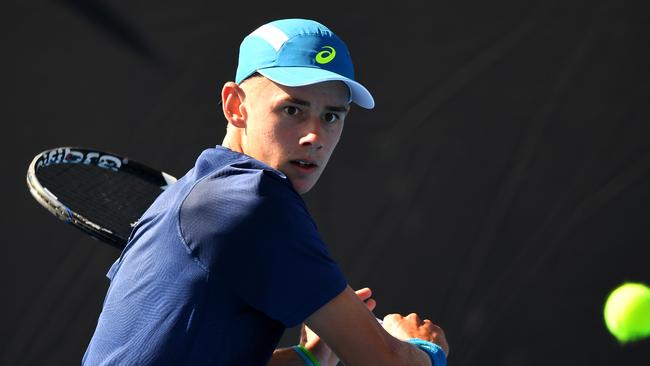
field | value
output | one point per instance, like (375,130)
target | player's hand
(319,348)
(411,326)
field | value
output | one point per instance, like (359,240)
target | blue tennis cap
(298,52)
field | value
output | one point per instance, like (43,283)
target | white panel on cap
(272,34)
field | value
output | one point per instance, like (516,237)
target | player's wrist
(306,355)
(436,353)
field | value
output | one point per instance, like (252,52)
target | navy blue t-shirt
(215,270)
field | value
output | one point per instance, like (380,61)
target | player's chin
(303,185)
(303,179)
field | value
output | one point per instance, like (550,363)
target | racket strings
(113,198)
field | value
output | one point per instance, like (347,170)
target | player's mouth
(304,165)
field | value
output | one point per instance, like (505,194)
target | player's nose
(313,135)
(311,139)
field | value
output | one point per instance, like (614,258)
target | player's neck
(232,140)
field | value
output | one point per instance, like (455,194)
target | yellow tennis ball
(627,312)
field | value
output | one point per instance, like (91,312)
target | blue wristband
(435,353)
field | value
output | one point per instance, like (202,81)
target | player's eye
(331,117)
(291,110)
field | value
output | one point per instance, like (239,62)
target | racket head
(101,193)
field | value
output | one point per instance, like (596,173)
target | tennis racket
(101,193)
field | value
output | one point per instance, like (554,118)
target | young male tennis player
(229,256)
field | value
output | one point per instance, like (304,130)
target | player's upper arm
(354,334)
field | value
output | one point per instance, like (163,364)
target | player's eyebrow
(333,108)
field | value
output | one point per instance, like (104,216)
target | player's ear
(232,97)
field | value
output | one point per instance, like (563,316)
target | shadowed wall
(499,188)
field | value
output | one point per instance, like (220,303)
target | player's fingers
(392,317)
(371,304)
(364,293)
(414,318)
(303,334)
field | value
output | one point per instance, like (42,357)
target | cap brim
(301,76)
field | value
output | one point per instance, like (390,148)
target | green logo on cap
(326,55)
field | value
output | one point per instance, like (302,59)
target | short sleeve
(254,231)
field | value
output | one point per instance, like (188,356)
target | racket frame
(48,200)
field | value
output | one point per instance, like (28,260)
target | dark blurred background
(500,187)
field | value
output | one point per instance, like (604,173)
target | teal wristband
(308,357)
(435,353)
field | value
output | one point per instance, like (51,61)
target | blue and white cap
(298,52)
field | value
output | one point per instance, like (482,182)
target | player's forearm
(397,353)
(394,353)
(411,355)
(406,354)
